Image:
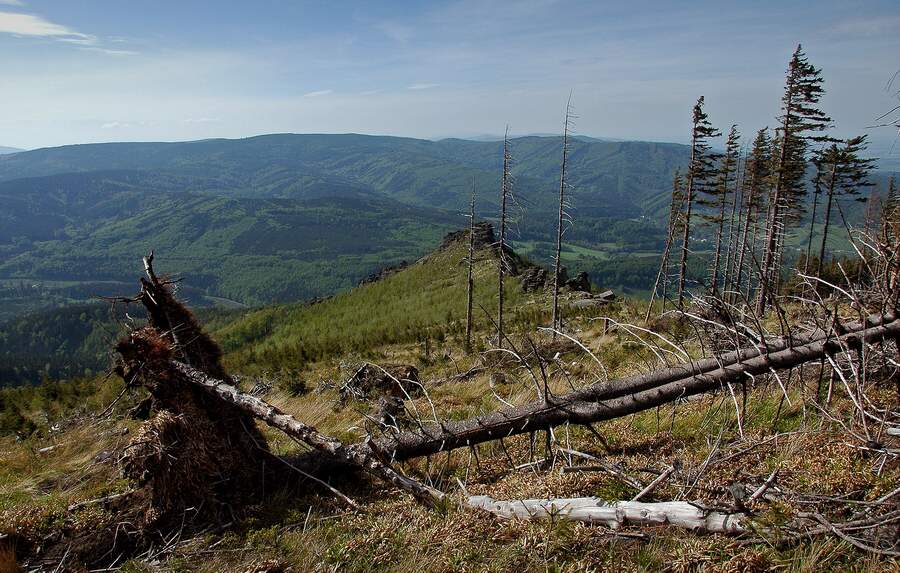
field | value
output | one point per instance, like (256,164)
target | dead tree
(471,264)
(501,254)
(608,400)
(557,322)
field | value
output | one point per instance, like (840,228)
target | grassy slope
(425,301)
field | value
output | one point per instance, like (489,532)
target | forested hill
(286,217)
(614,175)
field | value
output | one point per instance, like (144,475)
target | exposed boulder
(581,283)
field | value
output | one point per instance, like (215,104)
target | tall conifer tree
(845,171)
(701,168)
(717,200)
(758,176)
(800,121)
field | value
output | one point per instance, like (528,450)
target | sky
(113,70)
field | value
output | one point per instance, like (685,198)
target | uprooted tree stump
(195,451)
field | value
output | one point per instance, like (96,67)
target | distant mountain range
(286,217)
(7,150)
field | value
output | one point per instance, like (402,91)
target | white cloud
(317,93)
(12,2)
(202,120)
(115,125)
(422,86)
(32,25)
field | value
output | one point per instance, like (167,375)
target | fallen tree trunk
(629,395)
(594,510)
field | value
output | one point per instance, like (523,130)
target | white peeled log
(594,510)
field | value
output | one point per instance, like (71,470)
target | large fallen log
(633,394)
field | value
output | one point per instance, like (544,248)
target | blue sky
(97,70)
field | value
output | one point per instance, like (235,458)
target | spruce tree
(845,171)
(701,168)
(717,200)
(758,176)
(676,210)
(734,224)
(800,121)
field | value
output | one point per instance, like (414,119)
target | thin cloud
(110,52)
(18,3)
(202,120)
(35,26)
(317,93)
(422,86)
(116,125)
(866,27)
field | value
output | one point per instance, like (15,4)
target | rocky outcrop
(484,236)
(533,279)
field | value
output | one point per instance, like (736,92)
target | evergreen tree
(676,210)
(844,172)
(717,199)
(800,121)
(701,169)
(757,179)
(734,226)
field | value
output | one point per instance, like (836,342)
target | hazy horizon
(103,71)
